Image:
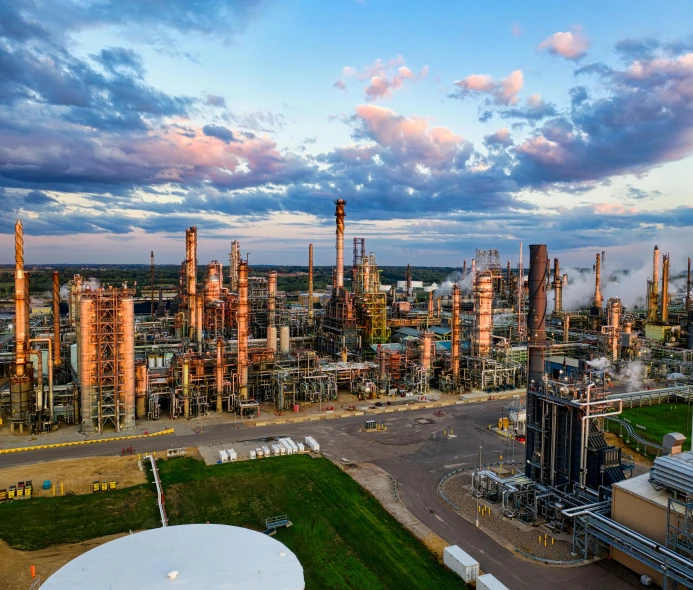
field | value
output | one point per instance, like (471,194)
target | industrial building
(233,343)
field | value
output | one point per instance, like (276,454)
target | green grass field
(342,536)
(41,522)
(659,420)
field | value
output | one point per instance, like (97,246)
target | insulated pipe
(310,282)
(339,215)
(242,320)
(56,318)
(455,336)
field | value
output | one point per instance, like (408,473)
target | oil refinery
(232,344)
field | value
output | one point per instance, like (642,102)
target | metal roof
(185,557)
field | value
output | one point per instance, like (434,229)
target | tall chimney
(665,290)
(242,319)
(688,287)
(655,276)
(473,268)
(151,273)
(56,318)
(455,336)
(557,287)
(339,215)
(310,282)
(536,325)
(536,316)
(410,290)
(464,269)
(598,283)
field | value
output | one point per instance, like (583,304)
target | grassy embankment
(341,534)
(659,420)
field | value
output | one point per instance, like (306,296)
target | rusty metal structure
(56,318)
(483,314)
(107,360)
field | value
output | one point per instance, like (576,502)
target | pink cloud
(516,30)
(544,150)
(384,78)
(503,91)
(572,45)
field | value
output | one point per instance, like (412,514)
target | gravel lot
(507,532)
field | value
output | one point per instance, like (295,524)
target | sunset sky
(446,125)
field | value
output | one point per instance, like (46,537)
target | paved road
(414,451)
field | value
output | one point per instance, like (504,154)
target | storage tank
(284,345)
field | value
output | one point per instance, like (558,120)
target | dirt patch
(381,484)
(15,565)
(77,475)
(617,441)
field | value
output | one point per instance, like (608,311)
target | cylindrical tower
(455,336)
(310,282)
(598,301)
(141,390)
(614,321)
(557,287)
(87,351)
(234,259)
(665,290)
(339,215)
(464,269)
(127,396)
(483,313)
(56,318)
(536,316)
(284,341)
(186,387)
(425,353)
(242,319)
(220,373)
(430,304)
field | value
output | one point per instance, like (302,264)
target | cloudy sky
(447,126)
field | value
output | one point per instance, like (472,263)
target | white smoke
(630,374)
(455,278)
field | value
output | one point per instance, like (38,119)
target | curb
(84,442)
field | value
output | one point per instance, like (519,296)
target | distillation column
(614,326)
(220,373)
(127,313)
(653,300)
(665,290)
(56,319)
(310,283)
(339,215)
(557,287)
(483,315)
(21,381)
(242,318)
(455,336)
(271,310)
(598,301)
(234,260)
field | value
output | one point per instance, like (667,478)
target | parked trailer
(223,456)
(489,582)
(463,564)
(233,455)
(312,444)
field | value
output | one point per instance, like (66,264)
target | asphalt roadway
(415,452)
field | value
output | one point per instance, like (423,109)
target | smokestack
(655,276)
(483,312)
(614,320)
(603,259)
(339,215)
(473,268)
(508,277)
(56,318)
(151,272)
(464,269)
(455,336)
(536,324)
(310,282)
(665,290)
(688,287)
(242,319)
(557,287)
(410,290)
(598,283)
(430,304)
(536,316)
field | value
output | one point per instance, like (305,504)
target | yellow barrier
(85,442)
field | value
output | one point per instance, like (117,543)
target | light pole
(479,490)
